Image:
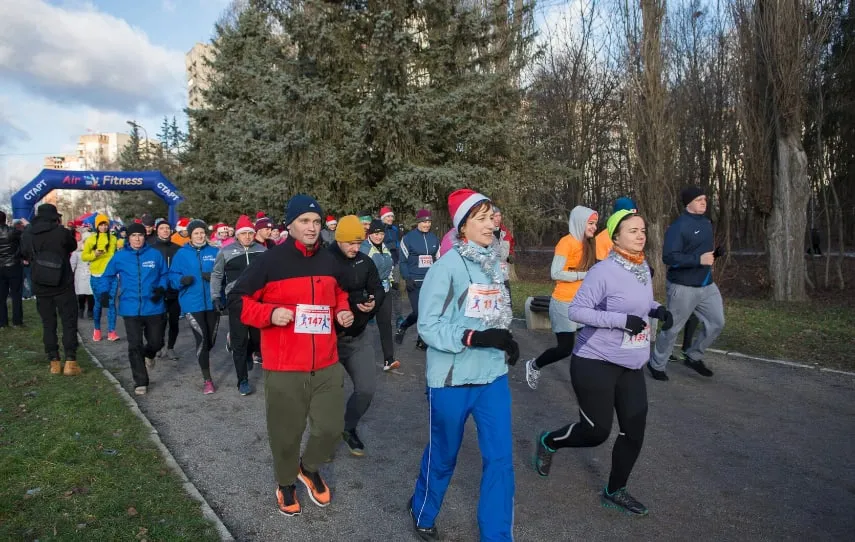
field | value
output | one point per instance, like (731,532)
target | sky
(69,67)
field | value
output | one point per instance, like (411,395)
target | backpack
(46,267)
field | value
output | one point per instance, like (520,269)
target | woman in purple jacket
(615,302)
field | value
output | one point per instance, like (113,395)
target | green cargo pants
(292,397)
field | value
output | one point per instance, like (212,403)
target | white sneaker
(140,390)
(532,375)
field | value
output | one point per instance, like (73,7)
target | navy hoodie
(686,240)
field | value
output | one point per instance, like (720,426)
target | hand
(719,252)
(157,294)
(489,338)
(513,351)
(663,316)
(187,280)
(707,258)
(206,277)
(635,324)
(281,316)
(344,318)
(104,299)
(368,306)
(98,252)
(218,305)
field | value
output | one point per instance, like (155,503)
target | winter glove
(635,324)
(157,294)
(663,316)
(206,277)
(218,305)
(513,351)
(719,252)
(104,299)
(489,338)
(187,280)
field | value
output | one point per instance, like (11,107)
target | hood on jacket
(579,220)
(42,225)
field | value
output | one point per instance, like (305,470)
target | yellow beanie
(101,218)
(349,229)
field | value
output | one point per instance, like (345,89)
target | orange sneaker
(96,335)
(318,490)
(287,501)
(55,367)
(112,336)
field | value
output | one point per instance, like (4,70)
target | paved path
(758,452)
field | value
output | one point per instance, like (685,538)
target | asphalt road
(760,452)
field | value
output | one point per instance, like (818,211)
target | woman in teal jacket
(375,248)
(464,314)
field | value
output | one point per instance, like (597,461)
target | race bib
(642,340)
(425,261)
(482,300)
(313,319)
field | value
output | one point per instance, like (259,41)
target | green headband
(614,220)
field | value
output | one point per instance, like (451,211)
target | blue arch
(24,201)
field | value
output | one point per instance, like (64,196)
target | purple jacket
(608,293)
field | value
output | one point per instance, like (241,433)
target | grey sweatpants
(356,354)
(706,303)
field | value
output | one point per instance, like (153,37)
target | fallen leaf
(132,511)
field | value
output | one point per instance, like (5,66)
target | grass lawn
(76,463)
(807,332)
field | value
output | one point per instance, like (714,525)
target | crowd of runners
(300,294)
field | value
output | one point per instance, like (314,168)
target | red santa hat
(182,224)
(244,224)
(460,202)
(331,220)
(259,214)
(386,211)
(220,226)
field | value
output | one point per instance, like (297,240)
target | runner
(144,276)
(190,274)
(167,248)
(467,372)
(263,229)
(392,239)
(615,304)
(574,255)
(82,280)
(302,377)
(148,222)
(688,252)
(379,253)
(365,219)
(97,250)
(420,249)
(504,245)
(231,262)
(11,274)
(359,278)
(328,234)
(181,237)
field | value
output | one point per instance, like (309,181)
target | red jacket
(285,276)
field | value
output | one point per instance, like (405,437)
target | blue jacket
(392,240)
(416,244)
(686,240)
(442,324)
(140,272)
(192,261)
(382,259)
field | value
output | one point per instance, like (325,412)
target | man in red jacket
(292,295)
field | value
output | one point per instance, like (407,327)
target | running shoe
(150,363)
(286,500)
(170,353)
(112,336)
(657,374)
(352,440)
(229,342)
(399,335)
(162,353)
(256,358)
(140,390)
(420,344)
(679,357)
(96,335)
(542,460)
(532,374)
(318,490)
(389,365)
(244,387)
(623,501)
(698,366)
(425,533)
(209,387)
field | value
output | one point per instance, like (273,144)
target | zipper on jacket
(139,284)
(312,280)
(201,279)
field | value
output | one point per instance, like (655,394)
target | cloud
(10,133)
(83,56)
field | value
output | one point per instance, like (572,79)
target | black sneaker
(679,357)
(657,374)
(425,533)
(623,501)
(420,344)
(542,460)
(399,335)
(698,367)
(352,440)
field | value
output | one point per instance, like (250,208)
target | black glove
(206,277)
(157,294)
(635,324)
(663,316)
(218,305)
(187,280)
(489,338)
(105,299)
(513,351)
(719,252)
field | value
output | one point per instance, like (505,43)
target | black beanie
(136,228)
(376,226)
(689,193)
(196,224)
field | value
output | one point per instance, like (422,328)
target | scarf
(634,264)
(489,263)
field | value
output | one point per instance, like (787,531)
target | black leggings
(384,327)
(173,315)
(566,340)
(204,325)
(84,302)
(601,388)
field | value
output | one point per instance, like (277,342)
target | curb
(189,487)
(780,362)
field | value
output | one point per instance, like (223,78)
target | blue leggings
(98,288)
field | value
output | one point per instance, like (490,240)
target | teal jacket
(382,258)
(442,325)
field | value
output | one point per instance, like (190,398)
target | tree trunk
(785,228)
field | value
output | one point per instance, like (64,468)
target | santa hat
(182,224)
(461,202)
(386,211)
(331,220)
(220,226)
(259,214)
(244,224)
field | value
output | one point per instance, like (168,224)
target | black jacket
(45,235)
(10,247)
(359,278)
(167,249)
